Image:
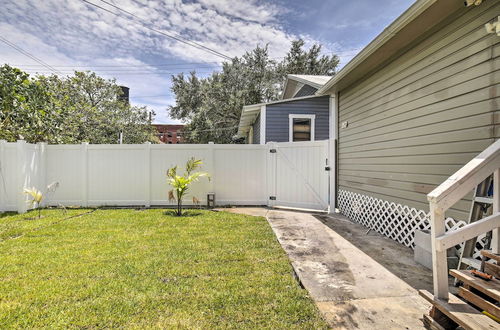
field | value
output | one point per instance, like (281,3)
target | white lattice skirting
(393,220)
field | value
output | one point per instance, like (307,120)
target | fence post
(147,186)
(211,168)
(271,170)
(3,187)
(439,258)
(22,206)
(85,168)
(42,170)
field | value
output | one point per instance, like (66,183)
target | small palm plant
(37,196)
(181,184)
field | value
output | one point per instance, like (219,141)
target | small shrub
(181,183)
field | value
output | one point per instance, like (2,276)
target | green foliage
(181,183)
(212,106)
(73,109)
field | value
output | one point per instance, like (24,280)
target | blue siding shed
(277,117)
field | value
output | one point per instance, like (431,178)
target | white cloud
(72,33)
(249,10)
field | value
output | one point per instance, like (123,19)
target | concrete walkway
(351,289)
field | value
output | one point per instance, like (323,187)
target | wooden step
(490,288)
(491,255)
(479,302)
(460,312)
(484,200)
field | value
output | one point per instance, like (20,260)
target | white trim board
(291,117)
(263,124)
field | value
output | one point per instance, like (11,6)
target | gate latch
(273,151)
(327,168)
(273,198)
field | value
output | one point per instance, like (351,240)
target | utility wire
(216,129)
(128,71)
(144,24)
(173,65)
(7,42)
(178,38)
(144,96)
(132,69)
(124,73)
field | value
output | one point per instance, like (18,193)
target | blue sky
(72,34)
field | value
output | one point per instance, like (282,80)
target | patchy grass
(147,269)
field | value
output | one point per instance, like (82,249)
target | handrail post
(495,242)
(439,258)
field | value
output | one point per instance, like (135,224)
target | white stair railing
(446,195)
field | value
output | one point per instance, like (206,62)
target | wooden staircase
(476,306)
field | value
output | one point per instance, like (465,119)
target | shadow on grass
(7,214)
(185,213)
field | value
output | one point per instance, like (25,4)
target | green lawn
(147,269)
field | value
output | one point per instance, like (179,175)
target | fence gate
(298,175)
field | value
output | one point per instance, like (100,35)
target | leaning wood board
(461,312)
(492,269)
(490,288)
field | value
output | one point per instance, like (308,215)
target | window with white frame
(301,127)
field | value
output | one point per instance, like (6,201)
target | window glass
(301,129)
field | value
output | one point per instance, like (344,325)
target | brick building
(170,134)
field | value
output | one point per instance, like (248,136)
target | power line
(147,96)
(125,73)
(178,38)
(132,71)
(208,65)
(216,129)
(7,42)
(142,23)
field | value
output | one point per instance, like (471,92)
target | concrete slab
(351,289)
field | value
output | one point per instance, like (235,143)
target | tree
(74,109)
(211,106)
(24,107)
(95,112)
(181,183)
(299,61)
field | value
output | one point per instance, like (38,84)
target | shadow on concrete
(395,257)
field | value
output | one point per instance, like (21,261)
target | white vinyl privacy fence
(135,175)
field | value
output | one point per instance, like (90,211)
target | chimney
(125,94)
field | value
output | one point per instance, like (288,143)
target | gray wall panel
(306,90)
(256,130)
(419,118)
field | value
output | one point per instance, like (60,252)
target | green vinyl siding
(420,117)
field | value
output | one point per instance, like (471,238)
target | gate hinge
(273,151)
(273,198)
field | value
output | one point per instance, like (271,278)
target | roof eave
(389,34)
